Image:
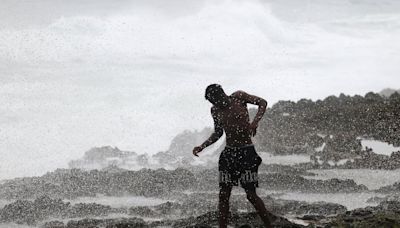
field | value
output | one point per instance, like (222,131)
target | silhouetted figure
(238,162)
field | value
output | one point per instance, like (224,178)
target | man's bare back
(234,120)
(230,114)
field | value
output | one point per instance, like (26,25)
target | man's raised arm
(218,132)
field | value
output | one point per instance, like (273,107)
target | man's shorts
(239,165)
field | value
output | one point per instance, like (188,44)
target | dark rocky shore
(386,214)
(327,130)
(191,209)
(74,183)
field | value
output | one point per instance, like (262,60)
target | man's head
(216,95)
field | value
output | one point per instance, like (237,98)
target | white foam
(125,201)
(321,148)
(379,147)
(269,158)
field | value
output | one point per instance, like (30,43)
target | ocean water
(269,158)
(125,201)
(373,179)
(13,225)
(84,79)
(379,147)
(349,200)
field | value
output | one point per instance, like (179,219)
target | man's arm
(218,132)
(262,103)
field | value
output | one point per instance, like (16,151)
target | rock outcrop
(43,208)
(386,214)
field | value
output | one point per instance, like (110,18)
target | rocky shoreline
(196,210)
(74,183)
(327,130)
(386,214)
(191,196)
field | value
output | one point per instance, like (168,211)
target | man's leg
(258,205)
(223,206)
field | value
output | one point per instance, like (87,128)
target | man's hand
(197,150)
(253,128)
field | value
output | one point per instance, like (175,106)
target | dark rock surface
(209,219)
(292,127)
(277,181)
(386,214)
(29,212)
(107,223)
(73,183)
(370,160)
(201,203)
(288,180)
(43,208)
(394,188)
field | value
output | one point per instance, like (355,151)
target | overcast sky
(78,74)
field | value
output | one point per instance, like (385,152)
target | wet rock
(375,199)
(292,207)
(108,223)
(381,219)
(395,188)
(289,124)
(312,217)
(386,214)
(29,212)
(235,219)
(209,219)
(360,212)
(301,208)
(43,208)
(369,160)
(201,203)
(73,183)
(277,181)
(289,180)
(90,209)
(143,211)
(389,206)
(53,224)
(188,206)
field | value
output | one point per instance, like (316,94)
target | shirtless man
(238,162)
